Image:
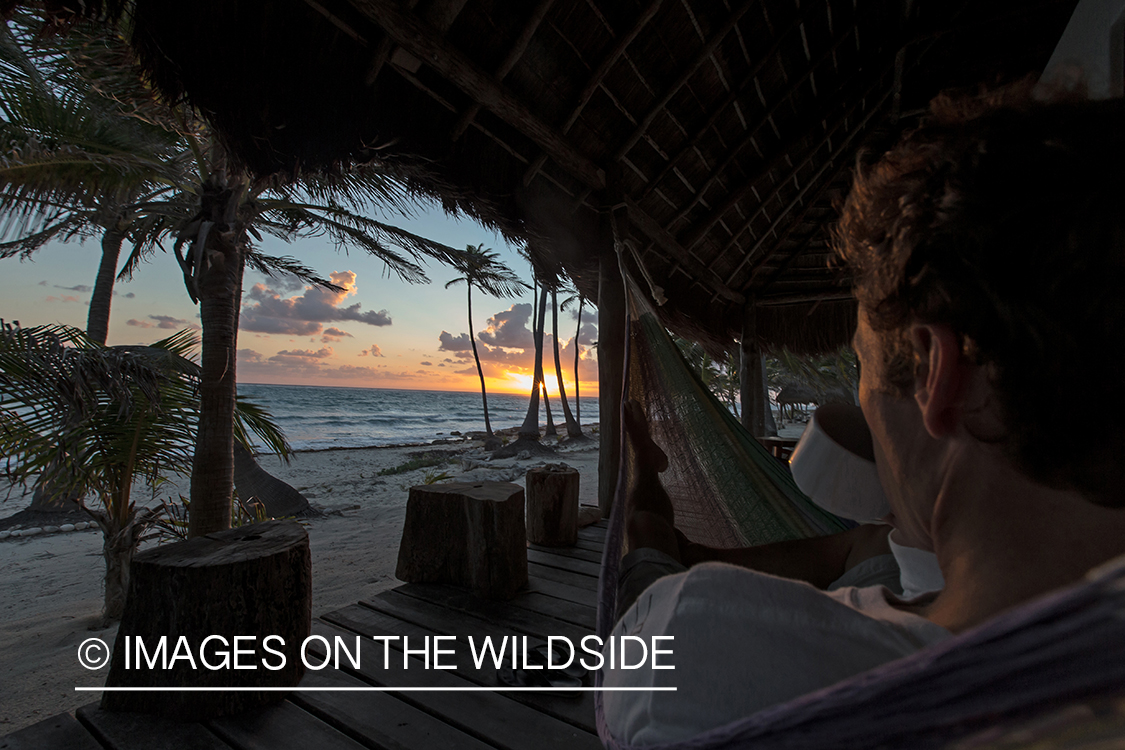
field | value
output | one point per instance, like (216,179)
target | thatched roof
(722,130)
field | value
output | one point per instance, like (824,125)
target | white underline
(472,689)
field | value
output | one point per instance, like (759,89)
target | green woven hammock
(727,490)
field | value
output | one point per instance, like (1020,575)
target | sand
(52,591)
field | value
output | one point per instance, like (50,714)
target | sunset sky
(380,333)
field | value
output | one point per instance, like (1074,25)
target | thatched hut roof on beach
(718,133)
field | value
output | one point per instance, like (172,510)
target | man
(988,249)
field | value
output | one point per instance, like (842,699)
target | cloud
(129,295)
(167,322)
(426,364)
(248,356)
(64,298)
(82,288)
(269,312)
(332,335)
(374,351)
(451,343)
(302,356)
(509,328)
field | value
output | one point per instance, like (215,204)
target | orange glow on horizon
(520,383)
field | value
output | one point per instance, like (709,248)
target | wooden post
(611,367)
(252,581)
(752,374)
(552,505)
(465,534)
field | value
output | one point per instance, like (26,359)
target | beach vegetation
(433,476)
(481,268)
(91,421)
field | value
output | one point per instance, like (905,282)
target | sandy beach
(53,583)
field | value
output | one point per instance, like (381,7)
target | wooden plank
(549,606)
(379,718)
(565,563)
(496,717)
(579,595)
(595,531)
(124,730)
(367,621)
(282,726)
(523,619)
(569,577)
(420,40)
(595,546)
(61,731)
(578,553)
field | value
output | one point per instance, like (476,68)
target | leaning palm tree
(481,268)
(572,428)
(569,301)
(81,414)
(75,164)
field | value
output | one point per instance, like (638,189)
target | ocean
(317,417)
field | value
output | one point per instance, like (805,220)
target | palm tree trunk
(551,430)
(47,496)
(97,322)
(572,429)
(530,428)
(577,352)
(212,476)
(480,371)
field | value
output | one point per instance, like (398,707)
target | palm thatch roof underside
(719,133)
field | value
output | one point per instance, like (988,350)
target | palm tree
(529,430)
(214,216)
(581,300)
(572,428)
(75,164)
(81,414)
(481,268)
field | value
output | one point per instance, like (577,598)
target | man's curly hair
(1004,217)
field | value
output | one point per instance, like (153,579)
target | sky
(379,333)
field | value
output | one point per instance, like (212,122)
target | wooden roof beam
(424,43)
(650,226)
(596,79)
(514,54)
(702,57)
(797,299)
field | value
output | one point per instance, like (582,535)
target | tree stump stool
(552,505)
(250,582)
(467,534)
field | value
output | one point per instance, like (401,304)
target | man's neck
(1002,540)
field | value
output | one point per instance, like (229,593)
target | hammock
(728,491)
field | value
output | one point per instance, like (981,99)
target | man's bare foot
(649,454)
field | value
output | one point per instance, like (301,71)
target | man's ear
(939,378)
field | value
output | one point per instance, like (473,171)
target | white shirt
(744,641)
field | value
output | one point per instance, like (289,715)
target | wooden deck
(560,600)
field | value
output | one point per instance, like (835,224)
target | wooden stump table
(467,534)
(552,505)
(246,583)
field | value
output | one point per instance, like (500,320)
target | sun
(518,382)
